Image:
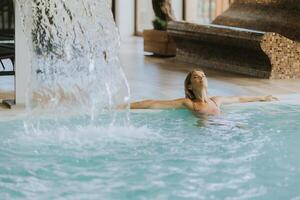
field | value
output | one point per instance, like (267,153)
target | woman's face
(198,80)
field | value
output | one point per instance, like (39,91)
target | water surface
(250,152)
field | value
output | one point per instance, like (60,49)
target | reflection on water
(219,121)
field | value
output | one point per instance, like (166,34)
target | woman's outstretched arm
(242,99)
(160,104)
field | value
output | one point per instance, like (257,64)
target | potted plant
(157,40)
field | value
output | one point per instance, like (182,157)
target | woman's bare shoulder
(187,103)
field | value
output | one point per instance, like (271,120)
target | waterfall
(75,68)
(74,57)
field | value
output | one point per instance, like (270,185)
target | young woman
(197,99)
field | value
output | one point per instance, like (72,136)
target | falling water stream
(74,58)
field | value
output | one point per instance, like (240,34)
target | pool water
(249,152)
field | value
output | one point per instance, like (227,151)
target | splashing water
(247,153)
(74,57)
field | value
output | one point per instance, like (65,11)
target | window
(204,11)
(144,15)
(196,11)
(6,17)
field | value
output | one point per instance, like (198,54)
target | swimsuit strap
(214,103)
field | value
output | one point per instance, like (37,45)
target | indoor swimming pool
(249,152)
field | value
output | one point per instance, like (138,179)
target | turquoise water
(250,152)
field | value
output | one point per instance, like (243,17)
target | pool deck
(162,78)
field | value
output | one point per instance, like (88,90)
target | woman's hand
(270,98)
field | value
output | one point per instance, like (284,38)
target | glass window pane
(145,15)
(205,11)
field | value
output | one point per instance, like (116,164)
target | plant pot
(159,42)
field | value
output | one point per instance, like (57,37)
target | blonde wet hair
(189,92)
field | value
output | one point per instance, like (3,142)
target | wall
(145,16)
(22,61)
(191,10)
(124,14)
(177,8)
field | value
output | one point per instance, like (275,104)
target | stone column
(22,62)
(191,10)
(124,12)
(177,6)
(221,6)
